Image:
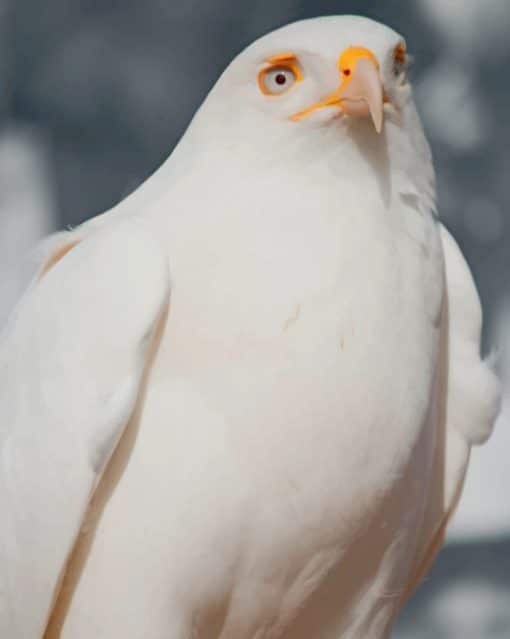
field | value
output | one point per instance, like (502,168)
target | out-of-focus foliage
(94,95)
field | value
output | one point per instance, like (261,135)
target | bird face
(325,69)
(360,92)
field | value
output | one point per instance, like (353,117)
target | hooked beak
(360,93)
(363,94)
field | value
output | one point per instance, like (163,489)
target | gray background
(94,95)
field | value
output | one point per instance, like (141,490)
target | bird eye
(277,80)
(400,60)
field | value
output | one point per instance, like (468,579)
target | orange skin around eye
(400,54)
(281,61)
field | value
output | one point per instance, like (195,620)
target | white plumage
(241,403)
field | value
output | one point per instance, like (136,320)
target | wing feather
(469,398)
(72,358)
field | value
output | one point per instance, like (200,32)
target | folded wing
(469,401)
(72,360)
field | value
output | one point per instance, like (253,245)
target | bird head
(332,69)
(317,98)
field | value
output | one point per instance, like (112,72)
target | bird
(241,403)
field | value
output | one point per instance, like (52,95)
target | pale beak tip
(376,108)
(365,87)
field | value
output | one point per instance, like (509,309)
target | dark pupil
(280,78)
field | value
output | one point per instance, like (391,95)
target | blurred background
(94,95)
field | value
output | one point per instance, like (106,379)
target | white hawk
(241,403)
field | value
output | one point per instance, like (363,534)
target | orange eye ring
(400,59)
(284,71)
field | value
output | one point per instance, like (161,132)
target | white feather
(303,429)
(71,362)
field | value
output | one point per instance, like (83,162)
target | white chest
(309,329)
(284,414)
